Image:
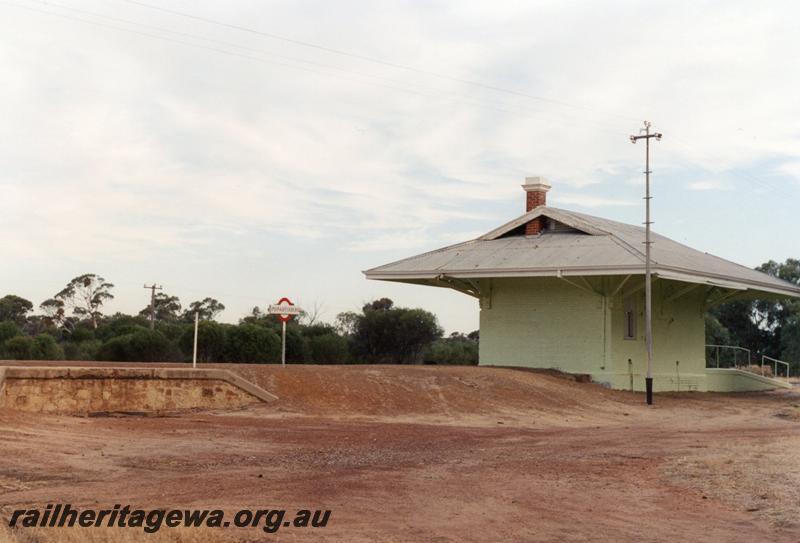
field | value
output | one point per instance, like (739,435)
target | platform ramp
(736,380)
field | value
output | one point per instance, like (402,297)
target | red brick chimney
(535,195)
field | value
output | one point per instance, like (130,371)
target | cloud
(707,185)
(791,169)
(137,153)
(588,200)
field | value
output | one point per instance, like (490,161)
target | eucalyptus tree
(84,295)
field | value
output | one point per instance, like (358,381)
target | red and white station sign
(285,309)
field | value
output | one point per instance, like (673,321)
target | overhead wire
(334,71)
(374,60)
(732,171)
(315,67)
(431,73)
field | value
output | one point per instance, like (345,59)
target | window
(630,317)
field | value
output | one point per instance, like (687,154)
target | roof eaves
(505,272)
(727,281)
(669,273)
(439,250)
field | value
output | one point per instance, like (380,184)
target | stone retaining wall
(71,390)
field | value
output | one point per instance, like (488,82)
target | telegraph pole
(646,135)
(153,288)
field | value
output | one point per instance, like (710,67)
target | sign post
(285,310)
(194,351)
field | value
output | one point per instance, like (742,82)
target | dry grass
(766,371)
(763,479)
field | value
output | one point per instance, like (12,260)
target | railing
(775,363)
(727,356)
(736,350)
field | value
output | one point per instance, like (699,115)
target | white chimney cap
(536,183)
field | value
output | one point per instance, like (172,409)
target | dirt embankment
(435,454)
(437,392)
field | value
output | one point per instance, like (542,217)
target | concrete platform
(736,380)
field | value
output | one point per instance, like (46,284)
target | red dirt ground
(434,454)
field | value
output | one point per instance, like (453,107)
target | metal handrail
(775,362)
(765,360)
(735,349)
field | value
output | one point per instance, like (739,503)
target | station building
(565,290)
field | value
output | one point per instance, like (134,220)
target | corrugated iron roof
(591,246)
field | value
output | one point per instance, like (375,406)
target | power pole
(153,288)
(646,135)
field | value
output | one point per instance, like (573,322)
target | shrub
(329,349)
(115,349)
(385,334)
(83,350)
(174,331)
(150,346)
(211,340)
(46,348)
(297,346)
(455,351)
(119,325)
(298,350)
(140,346)
(87,350)
(8,330)
(82,332)
(20,348)
(790,343)
(250,343)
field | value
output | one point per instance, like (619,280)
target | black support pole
(648,381)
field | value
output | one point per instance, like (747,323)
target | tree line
(73,326)
(765,327)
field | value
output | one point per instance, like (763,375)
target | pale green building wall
(549,323)
(678,341)
(541,323)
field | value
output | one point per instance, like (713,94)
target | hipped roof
(580,245)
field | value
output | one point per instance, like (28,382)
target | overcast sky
(145,145)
